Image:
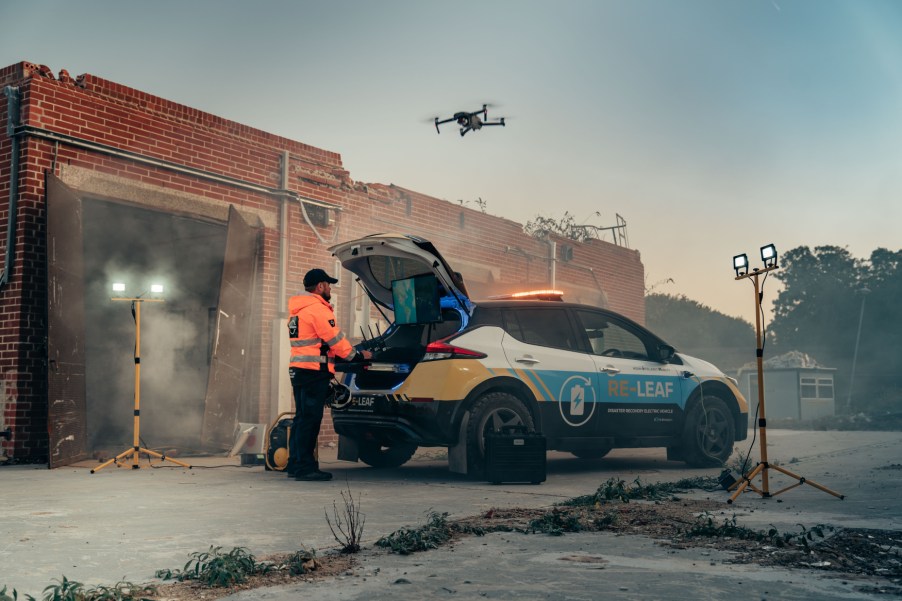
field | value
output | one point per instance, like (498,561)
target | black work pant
(310,388)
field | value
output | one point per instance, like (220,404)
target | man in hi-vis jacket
(316,341)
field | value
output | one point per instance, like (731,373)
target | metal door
(66,406)
(231,337)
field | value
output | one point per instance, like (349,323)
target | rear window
(386,269)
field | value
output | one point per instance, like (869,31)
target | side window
(542,327)
(449,325)
(610,339)
(486,317)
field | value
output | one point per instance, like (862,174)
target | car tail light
(442,350)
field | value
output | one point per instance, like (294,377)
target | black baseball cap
(315,276)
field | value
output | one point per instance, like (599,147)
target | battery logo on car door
(577,400)
(575,394)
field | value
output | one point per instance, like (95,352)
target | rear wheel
(376,454)
(490,413)
(708,434)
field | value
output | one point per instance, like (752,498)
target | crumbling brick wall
(192,149)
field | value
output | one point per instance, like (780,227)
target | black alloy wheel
(709,433)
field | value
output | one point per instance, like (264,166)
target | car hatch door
(379,259)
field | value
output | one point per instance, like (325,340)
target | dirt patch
(871,558)
(328,566)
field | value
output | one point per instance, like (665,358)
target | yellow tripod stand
(763,466)
(136,450)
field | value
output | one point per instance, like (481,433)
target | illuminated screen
(416,300)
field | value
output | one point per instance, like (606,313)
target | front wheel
(491,412)
(386,456)
(708,434)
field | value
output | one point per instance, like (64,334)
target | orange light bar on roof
(537,293)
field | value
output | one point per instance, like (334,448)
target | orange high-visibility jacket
(315,338)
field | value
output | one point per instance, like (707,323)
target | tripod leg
(164,457)
(803,480)
(115,460)
(746,481)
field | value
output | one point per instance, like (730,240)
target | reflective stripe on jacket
(314,336)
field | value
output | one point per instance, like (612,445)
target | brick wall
(494,252)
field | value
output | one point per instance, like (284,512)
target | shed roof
(789,360)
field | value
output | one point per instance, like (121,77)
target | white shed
(795,387)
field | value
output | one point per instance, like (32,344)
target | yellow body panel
(740,400)
(448,380)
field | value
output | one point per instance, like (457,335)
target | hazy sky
(712,127)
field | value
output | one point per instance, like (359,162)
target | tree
(818,311)
(565,227)
(819,289)
(878,373)
(700,331)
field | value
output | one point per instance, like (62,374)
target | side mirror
(666,353)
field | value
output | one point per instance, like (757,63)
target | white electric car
(449,369)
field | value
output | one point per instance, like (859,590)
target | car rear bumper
(423,424)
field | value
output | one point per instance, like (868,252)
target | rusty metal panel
(66,413)
(231,338)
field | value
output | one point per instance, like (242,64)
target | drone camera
(470,121)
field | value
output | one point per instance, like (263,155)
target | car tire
(380,455)
(596,453)
(490,412)
(708,433)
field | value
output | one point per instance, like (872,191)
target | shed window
(816,388)
(809,388)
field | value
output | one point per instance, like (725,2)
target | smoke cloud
(139,247)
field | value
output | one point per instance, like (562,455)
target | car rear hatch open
(377,261)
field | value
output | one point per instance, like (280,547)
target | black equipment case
(514,455)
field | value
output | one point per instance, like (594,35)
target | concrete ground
(123,524)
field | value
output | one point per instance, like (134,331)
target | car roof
(530,302)
(544,304)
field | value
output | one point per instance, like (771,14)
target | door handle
(528,359)
(610,369)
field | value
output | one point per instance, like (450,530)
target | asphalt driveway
(123,524)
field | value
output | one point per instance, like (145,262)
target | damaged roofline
(39,132)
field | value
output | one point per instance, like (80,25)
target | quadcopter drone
(470,121)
